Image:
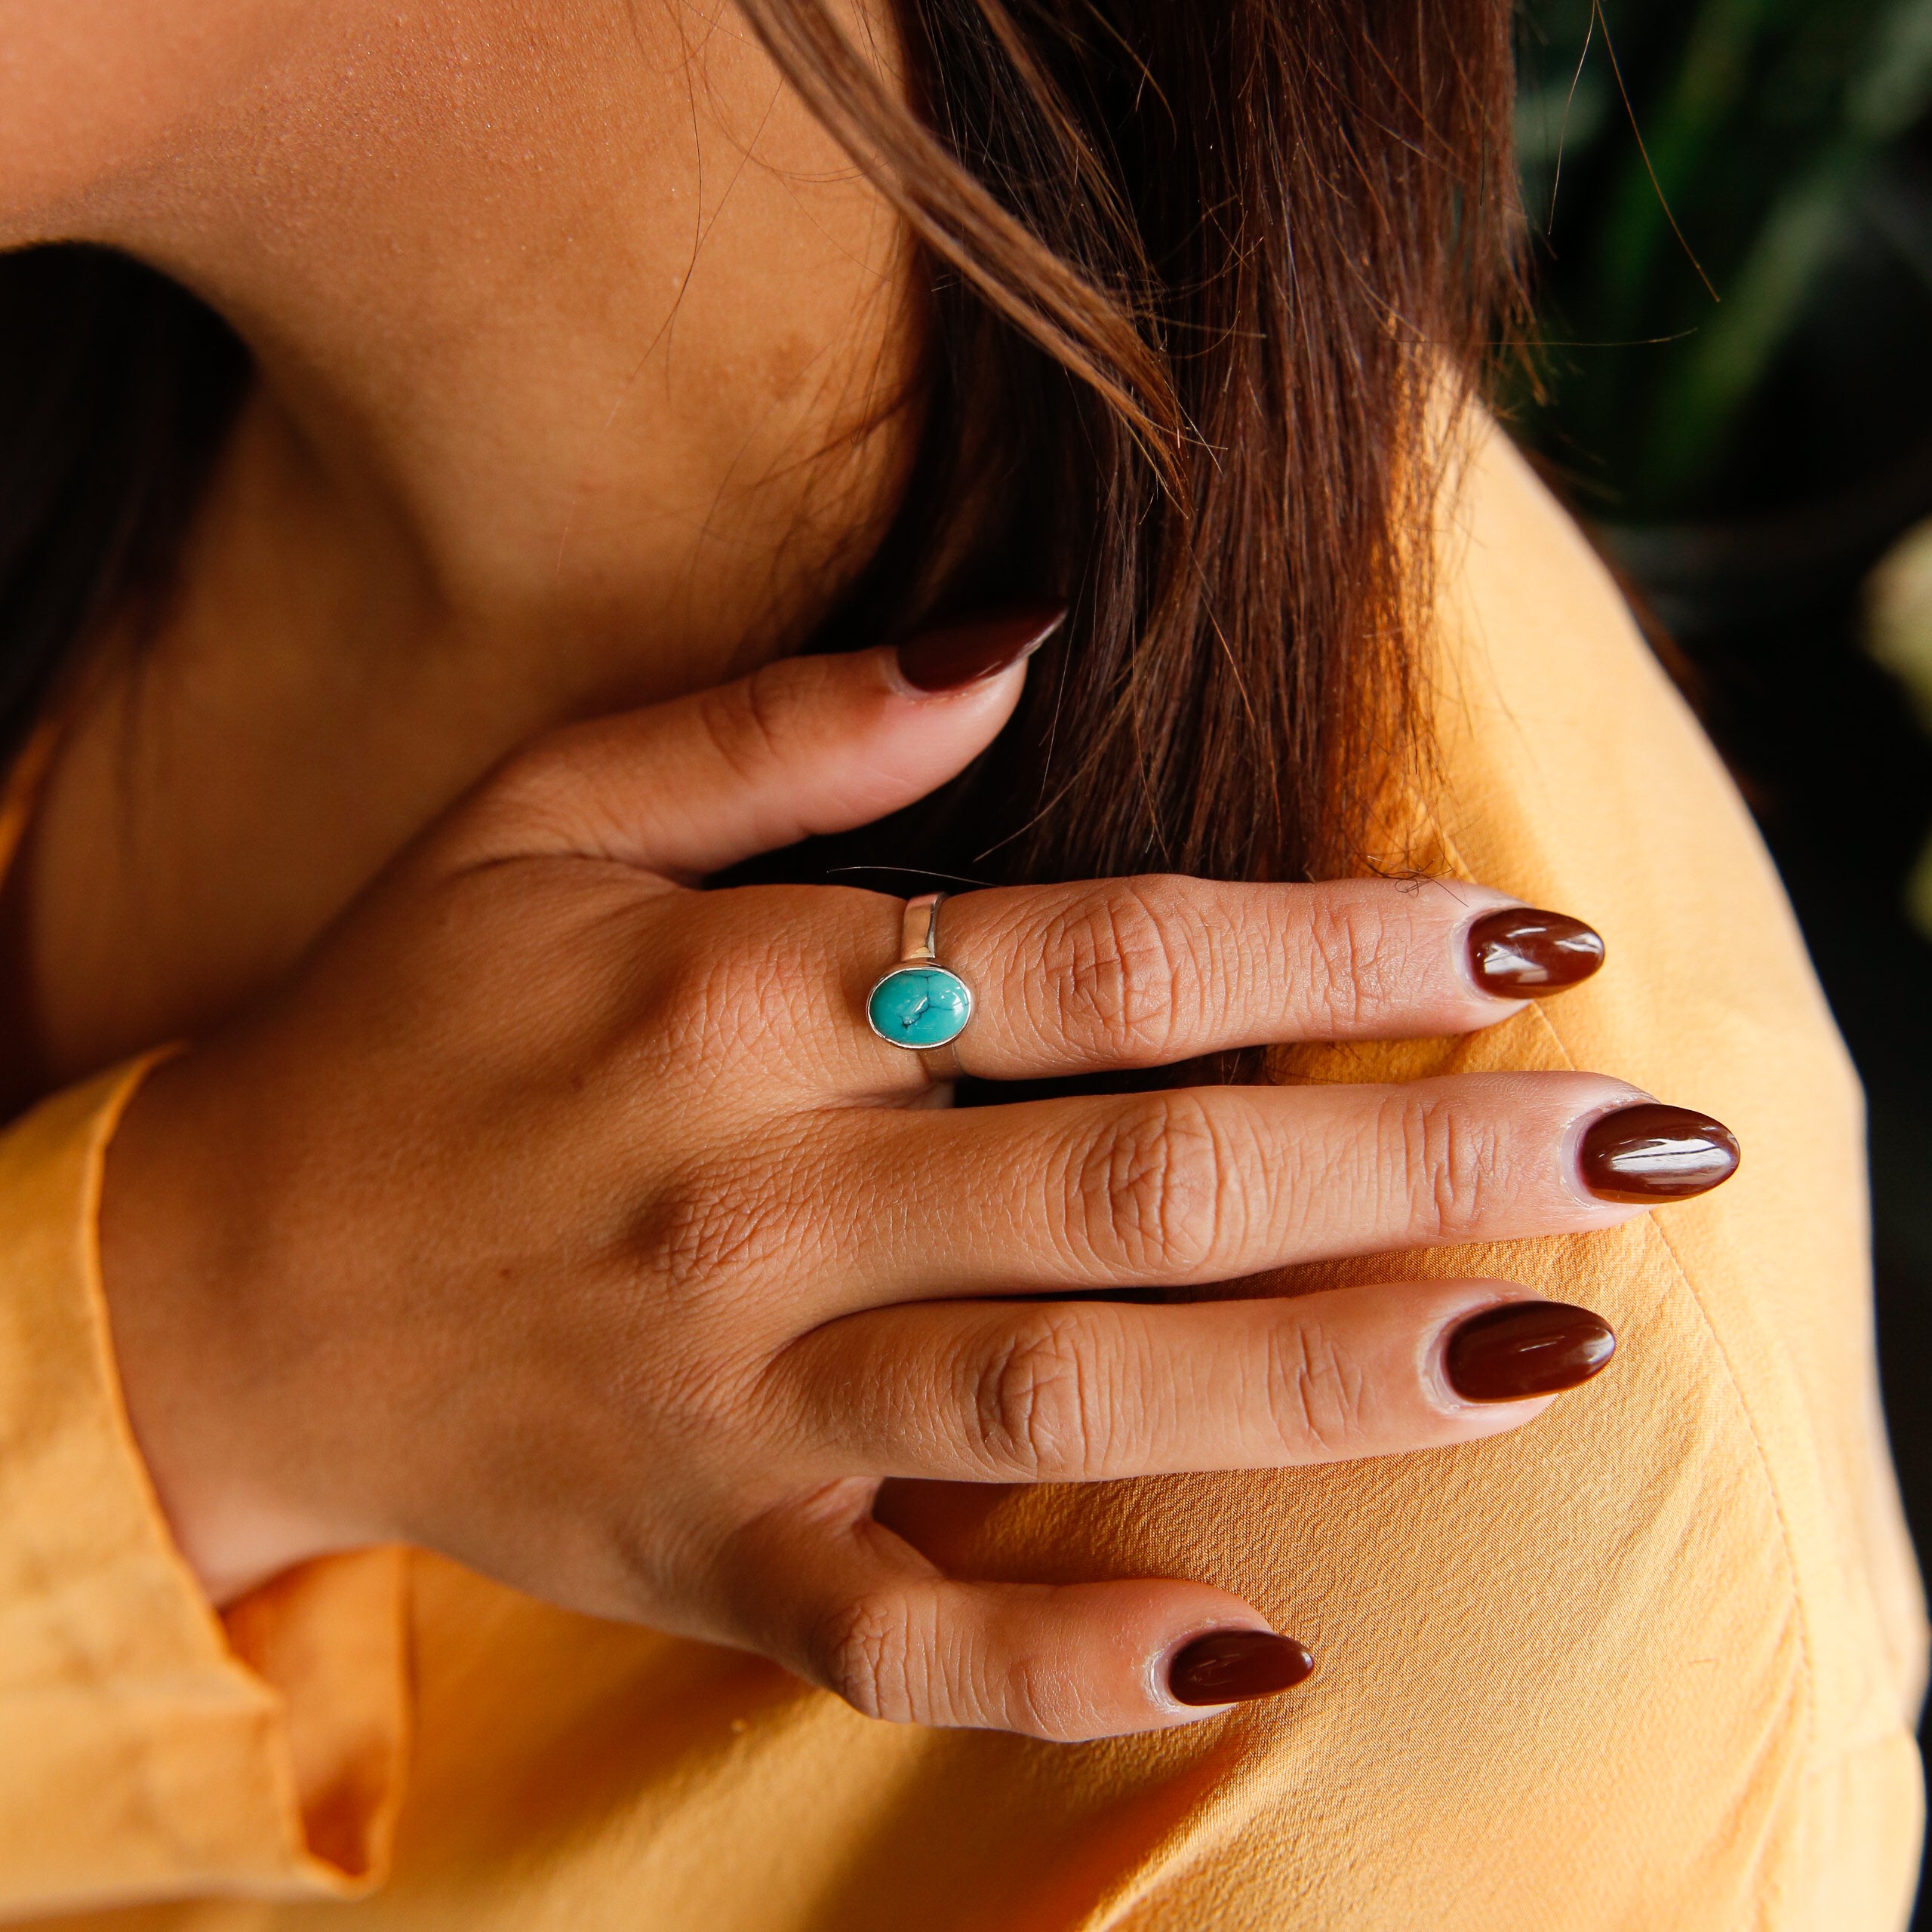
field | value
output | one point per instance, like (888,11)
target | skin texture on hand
(568,1220)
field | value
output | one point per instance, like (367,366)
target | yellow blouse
(1652,1662)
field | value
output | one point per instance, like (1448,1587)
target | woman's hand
(568,1220)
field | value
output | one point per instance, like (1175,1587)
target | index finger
(1145,972)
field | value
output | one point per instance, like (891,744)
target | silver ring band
(919,1004)
(919,936)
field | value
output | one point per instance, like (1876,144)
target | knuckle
(1148,1195)
(889,1657)
(723,1222)
(1317,1392)
(1034,1697)
(1032,1402)
(745,722)
(1445,1161)
(1354,961)
(1119,963)
(695,1023)
(697,1233)
(870,1656)
(739,986)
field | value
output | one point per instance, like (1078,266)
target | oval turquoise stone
(920,1006)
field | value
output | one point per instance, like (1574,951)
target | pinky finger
(865,1615)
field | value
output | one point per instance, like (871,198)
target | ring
(918,1003)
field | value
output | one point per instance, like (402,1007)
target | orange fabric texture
(135,1744)
(1653,1662)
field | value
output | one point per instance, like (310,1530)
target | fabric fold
(147,1750)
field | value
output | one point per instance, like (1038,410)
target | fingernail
(1526,1348)
(1230,1666)
(1651,1152)
(1520,951)
(943,660)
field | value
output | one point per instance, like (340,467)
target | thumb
(805,746)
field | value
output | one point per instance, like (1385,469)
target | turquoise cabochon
(919,1006)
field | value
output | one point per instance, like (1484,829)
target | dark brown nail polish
(1230,1666)
(1526,1348)
(963,654)
(1651,1152)
(1520,952)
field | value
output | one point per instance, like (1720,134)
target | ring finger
(1144,972)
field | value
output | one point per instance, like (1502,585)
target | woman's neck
(576,323)
(583,360)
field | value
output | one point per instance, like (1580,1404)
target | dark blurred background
(1730,378)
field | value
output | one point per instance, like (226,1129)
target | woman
(505,1311)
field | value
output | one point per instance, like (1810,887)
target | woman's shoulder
(1575,775)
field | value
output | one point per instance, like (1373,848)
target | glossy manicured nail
(1651,1152)
(1520,952)
(963,654)
(1524,1348)
(1230,1666)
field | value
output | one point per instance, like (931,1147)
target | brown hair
(116,390)
(1202,274)
(1210,281)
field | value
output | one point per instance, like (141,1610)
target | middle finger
(1211,1184)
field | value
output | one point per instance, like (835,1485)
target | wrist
(179,1252)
